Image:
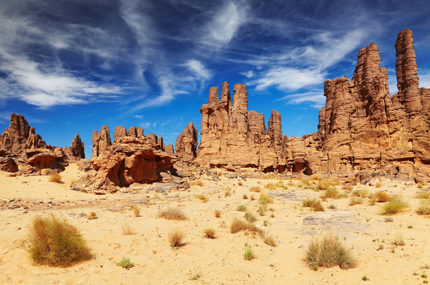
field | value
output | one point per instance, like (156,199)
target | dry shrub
(172,214)
(55,242)
(355,200)
(322,185)
(217,214)
(308,202)
(227,192)
(252,197)
(363,193)
(176,237)
(306,181)
(424,207)
(382,196)
(209,233)
(262,209)
(317,206)
(291,184)
(199,183)
(333,193)
(240,183)
(136,210)
(424,195)
(372,199)
(378,185)
(239,225)
(420,185)
(250,217)
(265,198)
(241,208)
(92,216)
(255,189)
(202,198)
(316,178)
(245,196)
(328,252)
(55,178)
(347,187)
(393,206)
(398,240)
(270,186)
(269,239)
(127,230)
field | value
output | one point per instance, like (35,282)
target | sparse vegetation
(255,189)
(262,209)
(55,242)
(125,263)
(398,240)
(241,208)
(308,202)
(423,195)
(382,196)
(227,192)
(248,254)
(265,198)
(217,214)
(209,233)
(92,216)
(136,210)
(333,193)
(347,187)
(245,196)
(420,185)
(127,230)
(55,177)
(393,206)
(317,206)
(239,225)
(172,214)
(355,200)
(378,185)
(363,193)
(270,186)
(250,217)
(424,207)
(199,183)
(202,198)
(269,239)
(328,252)
(175,238)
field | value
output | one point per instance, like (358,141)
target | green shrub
(55,242)
(393,206)
(125,263)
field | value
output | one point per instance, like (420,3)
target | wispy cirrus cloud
(198,69)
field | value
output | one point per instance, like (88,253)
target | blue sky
(72,66)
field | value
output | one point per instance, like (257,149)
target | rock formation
(131,158)
(186,144)
(21,144)
(360,128)
(232,137)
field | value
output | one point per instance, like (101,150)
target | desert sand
(211,261)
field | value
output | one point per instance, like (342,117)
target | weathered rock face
(233,137)
(360,128)
(186,144)
(21,143)
(76,151)
(131,158)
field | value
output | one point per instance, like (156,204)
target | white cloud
(248,74)
(314,96)
(145,125)
(225,23)
(138,116)
(286,78)
(198,69)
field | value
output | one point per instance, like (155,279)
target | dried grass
(172,214)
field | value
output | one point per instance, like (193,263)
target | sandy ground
(219,261)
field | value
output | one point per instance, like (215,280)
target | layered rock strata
(131,158)
(186,145)
(360,128)
(21,144)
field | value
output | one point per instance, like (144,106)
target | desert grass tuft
(92,216)
(420,185)
(172,214)
(255,189)
(202,198)
(227,192)
(355,200)
(239,225)
(378,185)
(270,186)
(398,240)
(382,196)
(333,193)
(329,251)
(265,198)
(127,230)
(423,195)
(308,202)
(250,217)
(209,233)
(55,242)
(363,193)
(347,187)
(262,209)
(176,237)
(317,206)
(217,214)
(241,208)
(56,178)
(424,207)
(136,210)
(248,254)
(393,206)
(269,239)
(199,183)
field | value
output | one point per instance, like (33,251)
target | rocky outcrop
(186,144)
(232,137)
(20,143)
(131,158)
(76,151)
(360,128)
